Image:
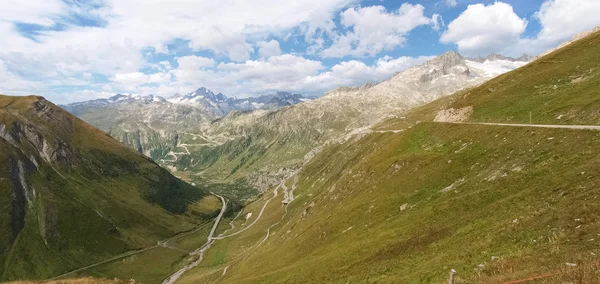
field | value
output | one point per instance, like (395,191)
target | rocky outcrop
(454,115)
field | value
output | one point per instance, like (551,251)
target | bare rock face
(30,136)
(454,115)
(446,64)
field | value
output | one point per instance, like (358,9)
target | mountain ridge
(72,195)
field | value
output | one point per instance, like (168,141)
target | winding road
(199,252)
(255,220)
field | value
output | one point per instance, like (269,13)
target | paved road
(564,126)
(255,220)
(588,127)
(199,252)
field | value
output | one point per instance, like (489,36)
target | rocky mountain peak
(447,60)
(448,63)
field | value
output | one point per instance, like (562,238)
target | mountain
(262,146)
(495,199)
(71,195)
(257,140)
(213,105)
(497,57)
(167,129)
(270,101)
(82,107)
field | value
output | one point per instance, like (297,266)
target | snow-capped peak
(198,96)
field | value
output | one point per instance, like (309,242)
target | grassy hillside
(558,89)
(70,195)
(495,203)
(76,281)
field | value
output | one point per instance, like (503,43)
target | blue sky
(73,50)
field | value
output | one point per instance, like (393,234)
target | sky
(75,50)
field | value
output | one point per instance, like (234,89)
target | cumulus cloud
(374,29)
(129,26)
(269,48)
(282,72)
(483,29)
(353,73)
(560,21)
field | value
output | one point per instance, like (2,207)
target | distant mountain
(214,105)
(155,126)
(70,195)
(205,98)
(496,57)
(76,108)
(270,101)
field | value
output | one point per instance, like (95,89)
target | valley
(509,194)
(486,169)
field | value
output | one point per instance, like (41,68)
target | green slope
(407,207)
(70,195)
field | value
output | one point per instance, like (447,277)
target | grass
(334,242)
(83,197)
(152,266)
(86,280)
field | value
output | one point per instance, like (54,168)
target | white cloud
(131,26)
(562,19)
(437,22)
(134,79)
(31,11)
(483,29)
(269,48)
(496,28)
(450,3)
(373,29)
(353,73)
(287,73)
(11,84)
(82,95)
(194,62)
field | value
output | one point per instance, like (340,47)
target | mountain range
(256,140)
(213,105)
